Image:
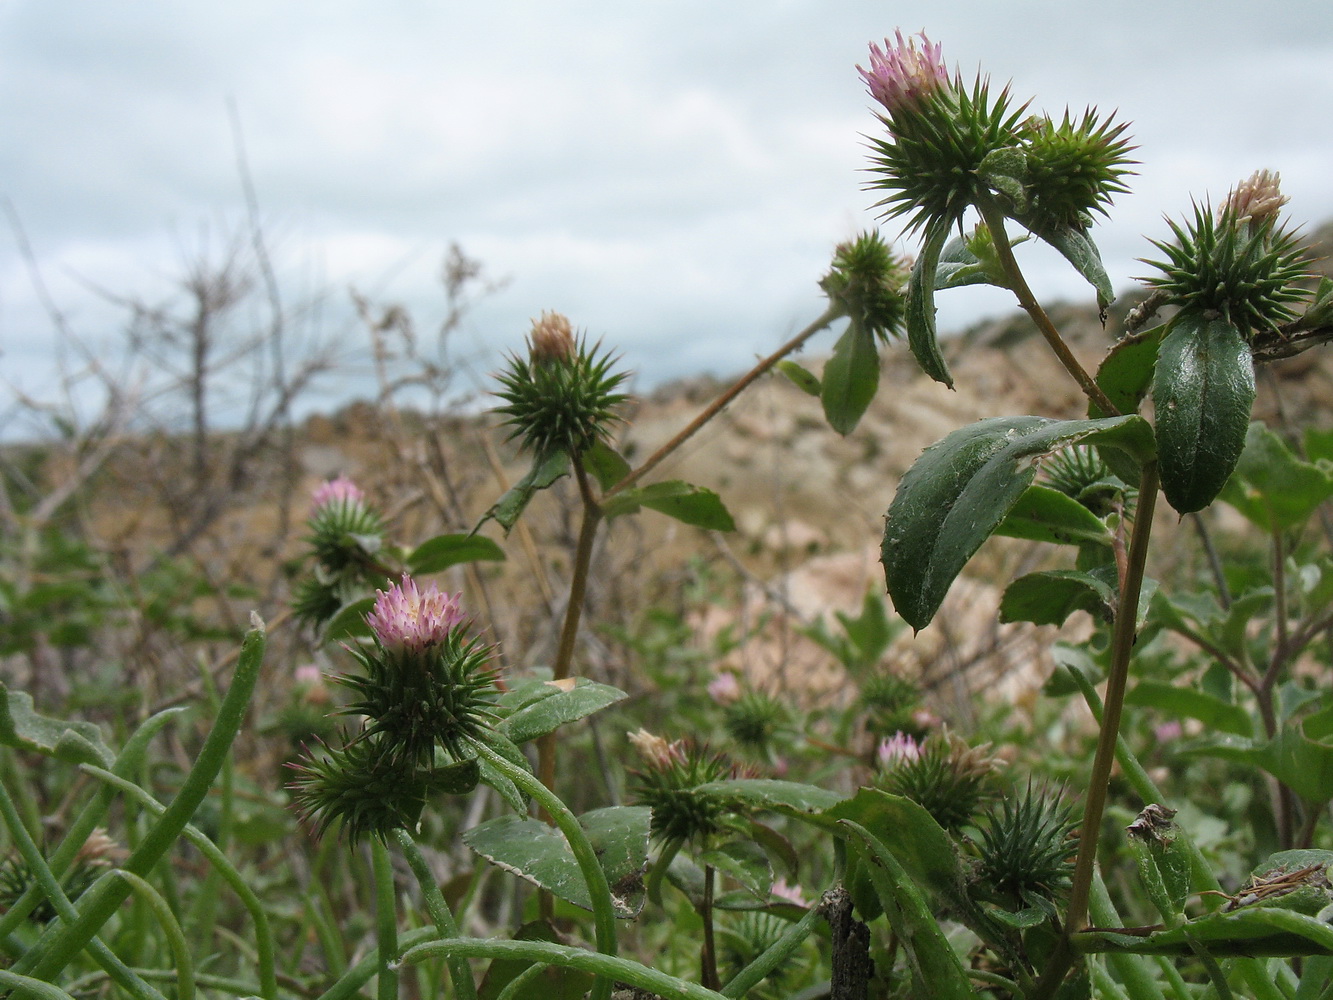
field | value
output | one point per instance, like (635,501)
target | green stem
(24,986)
(1122,648)
(599,890)
(264,949)
(348,986)
(386,921)
(708,954)
(776,953)
(48,958)
(719,404)
(464,987)
(171,930)
(607,967)
(127,763)
(48,885)
(994,219)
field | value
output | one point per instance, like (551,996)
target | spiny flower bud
(946,777)
(901,76)
(895,749)
(341,491)
(345,533)
(670,785)
(868,281)
(562,397)
(407,619)
(1026,848)
(551,339)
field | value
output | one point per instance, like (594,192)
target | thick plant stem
(719,404)
(386,921)
(994,219)
(1122,648)
(708,955)
(440,915)
(599,890)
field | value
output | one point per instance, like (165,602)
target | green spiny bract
(1025,848)
(929,161)
(669,785)
(866,281)
(1247,271)
(1080,474)
(363,785)
(891,704)
(416,700)
(344,534)
(754,719)
(561,403)
(1073,170)
(948,778)
(321,595)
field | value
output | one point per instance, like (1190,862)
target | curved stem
(717,405)
(464,987)
(777,953)
(47,959)
(599,890)
(994,219)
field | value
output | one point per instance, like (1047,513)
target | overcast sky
(671,175)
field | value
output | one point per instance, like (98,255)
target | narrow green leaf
(1050,597)
(560,702)
(606,464)
(804,379)
(921,337)
(746,862)
(442,551)
(1203,390)
(851,378)
(1046,515)
(961,489)
(935,966)
(1077,247)
(1177,701)
(509,508)
(693,505)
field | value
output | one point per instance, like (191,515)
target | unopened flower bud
(654,749)
(1256,200)
(336,491)
(551,339)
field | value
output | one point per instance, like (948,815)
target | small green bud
(868,282)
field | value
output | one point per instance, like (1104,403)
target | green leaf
(1006,170)
(1050,597)
(556,703)
(1272,487)
(606,464)
(802,378)
(1046,515)
(509,508)
(442,551)
(1125,374)
(539,853)
(72,742)
(959,265)
(1203,391)
(921,336)
(746,862)
(458,778)
(1189,702)
(790,797)
(1249,931)
(693,505)
(962,488)
(1077,247)
(1303,765)
(851,377)
(936,969)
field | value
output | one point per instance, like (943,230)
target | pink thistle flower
(790,893)
(725,688)
(896,749)
(901,76)
(336,491)
(409,619)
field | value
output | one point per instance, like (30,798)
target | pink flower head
(790,893)
(336,491)
(896,749)
(901,76)
(725,688)
(407,618)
